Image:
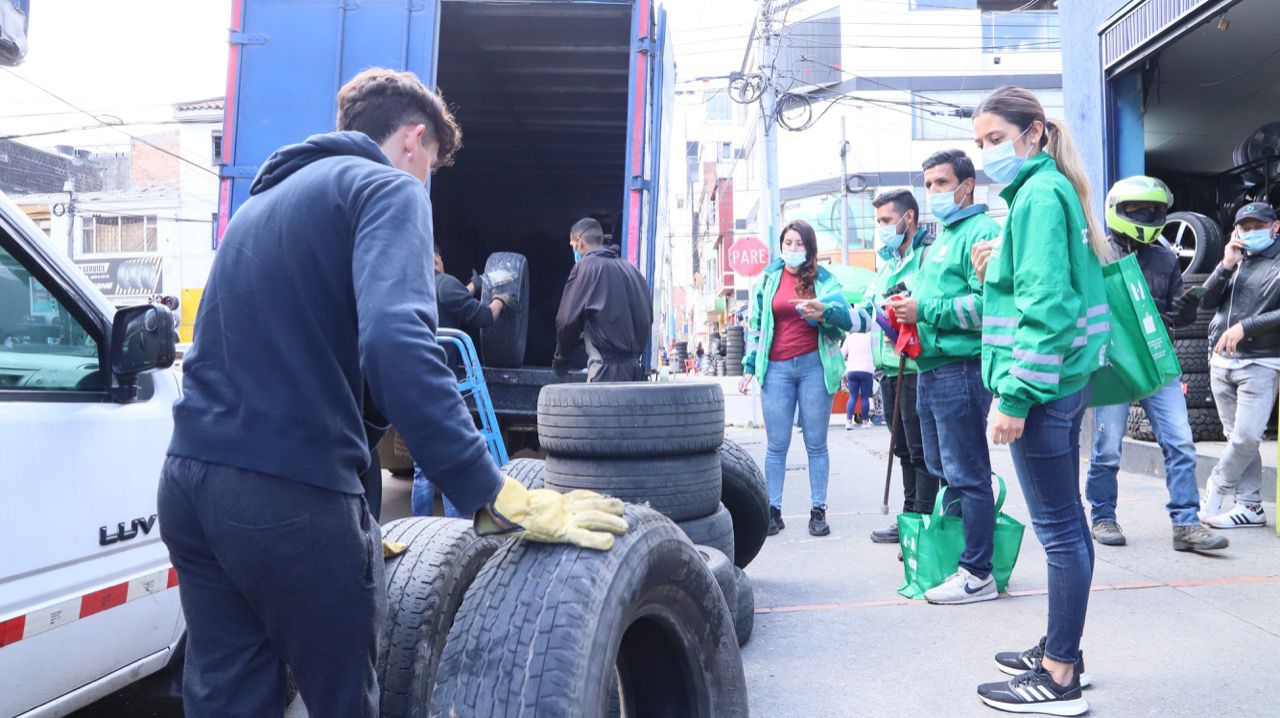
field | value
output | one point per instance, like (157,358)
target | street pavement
(1168,633)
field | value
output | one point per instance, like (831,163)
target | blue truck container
(562,107)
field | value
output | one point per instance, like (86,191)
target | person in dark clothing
(321,288)
(1136,211)
(606,303)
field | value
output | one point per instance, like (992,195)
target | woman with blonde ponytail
(1044,331)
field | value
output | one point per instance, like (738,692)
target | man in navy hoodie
(323,286)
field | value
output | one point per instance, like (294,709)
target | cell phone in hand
(1197,292)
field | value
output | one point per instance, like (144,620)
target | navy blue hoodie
(323,283)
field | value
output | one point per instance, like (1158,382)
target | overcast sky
(132,59)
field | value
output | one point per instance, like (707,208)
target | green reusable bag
(932,544)
(1140,357)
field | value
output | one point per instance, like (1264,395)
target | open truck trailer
(562,107)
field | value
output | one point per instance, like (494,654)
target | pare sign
(748,256)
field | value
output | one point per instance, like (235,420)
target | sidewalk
(833,638)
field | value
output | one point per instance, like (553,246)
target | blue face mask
(794,259)
(577,256)
(1002,163)
(890,239)
(943,205)
(1256,240)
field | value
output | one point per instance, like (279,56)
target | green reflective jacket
(893,270)
(1045,317)
(949,314)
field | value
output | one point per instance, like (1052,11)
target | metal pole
(844,190)
(770,200)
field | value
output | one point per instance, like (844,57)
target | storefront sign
(121,278)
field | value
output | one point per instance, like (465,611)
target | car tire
(1199,394)
(503,344)
(630,419)
(679,487)
(744,616)
(1193,355)
(425,586)
(744,493)
(715,530)
(722,568)
(1196,239)
(529,472)
(548,629)
(1205,425)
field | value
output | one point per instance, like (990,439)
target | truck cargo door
(287,60)
(639,98)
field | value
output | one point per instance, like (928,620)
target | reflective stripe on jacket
(949,292)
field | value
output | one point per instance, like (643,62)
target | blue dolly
(473,386)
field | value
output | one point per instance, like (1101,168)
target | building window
(217,149)
(1011,26)
(719,106)
(726,150)
(117,235)
(936,121)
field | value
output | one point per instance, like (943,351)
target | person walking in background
(1045,327)
(859,367)
(1245,336)
(798,320)
(950,398)
(1136,210)
(902,244)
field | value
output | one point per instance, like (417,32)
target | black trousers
(273,572)
(919,487)
(611,371)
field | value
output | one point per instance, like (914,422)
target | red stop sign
(748,256)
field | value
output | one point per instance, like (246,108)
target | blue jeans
(953,406)
(859,388)
(424,495)
(1047,459)
(1168,413)
(789,384)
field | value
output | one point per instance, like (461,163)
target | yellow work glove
(391,549)
(581,518)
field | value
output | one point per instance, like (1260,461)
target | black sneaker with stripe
(1035,692)
(1015,663)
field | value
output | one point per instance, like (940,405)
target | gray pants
(611,369)
(1244,398)
(273,572)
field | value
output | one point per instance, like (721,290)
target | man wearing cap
(1244,338)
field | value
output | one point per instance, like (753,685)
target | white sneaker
(962,587)
(1210,503)
(848,426)
(1240,517)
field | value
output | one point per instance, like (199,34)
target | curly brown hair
(808,275)
(379,101)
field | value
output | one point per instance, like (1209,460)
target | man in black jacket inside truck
(605,303)
(1244,337)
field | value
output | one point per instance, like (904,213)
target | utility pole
(770,199)
(70,188)
(844,190)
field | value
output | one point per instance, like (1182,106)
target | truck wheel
(503,344)
(547,629)
(722,568)
(715,531)
(744,494)
(628,420)
(679,487)
(1196,239)
(1205,425)
(1199,393)
(527,471)
(744,617)
(1193,355)
(425,585)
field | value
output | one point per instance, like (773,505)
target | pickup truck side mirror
(142,339)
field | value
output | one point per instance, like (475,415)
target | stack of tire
(734,350)
(1191,343)
(679,357)
(662,445)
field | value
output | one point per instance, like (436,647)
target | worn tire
(715,530)
(1193,355)
(425,586)
(546,629)
(528,472)
(744,615)
(679,487)
(503,344)
(1199,394)
(1196,239)
(1205,425)
(631,419)
(722,568)
(744,493)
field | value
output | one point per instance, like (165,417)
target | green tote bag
(932,544)
(1140,357)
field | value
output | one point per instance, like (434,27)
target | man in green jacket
(902,242)
(946,308)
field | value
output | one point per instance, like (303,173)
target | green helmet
(1141,225)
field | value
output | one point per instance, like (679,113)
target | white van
(88,599)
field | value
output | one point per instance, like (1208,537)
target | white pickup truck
(88,599)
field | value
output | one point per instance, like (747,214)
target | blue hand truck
(472,386)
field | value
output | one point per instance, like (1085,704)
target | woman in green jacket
(1045,326)
(799,316)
